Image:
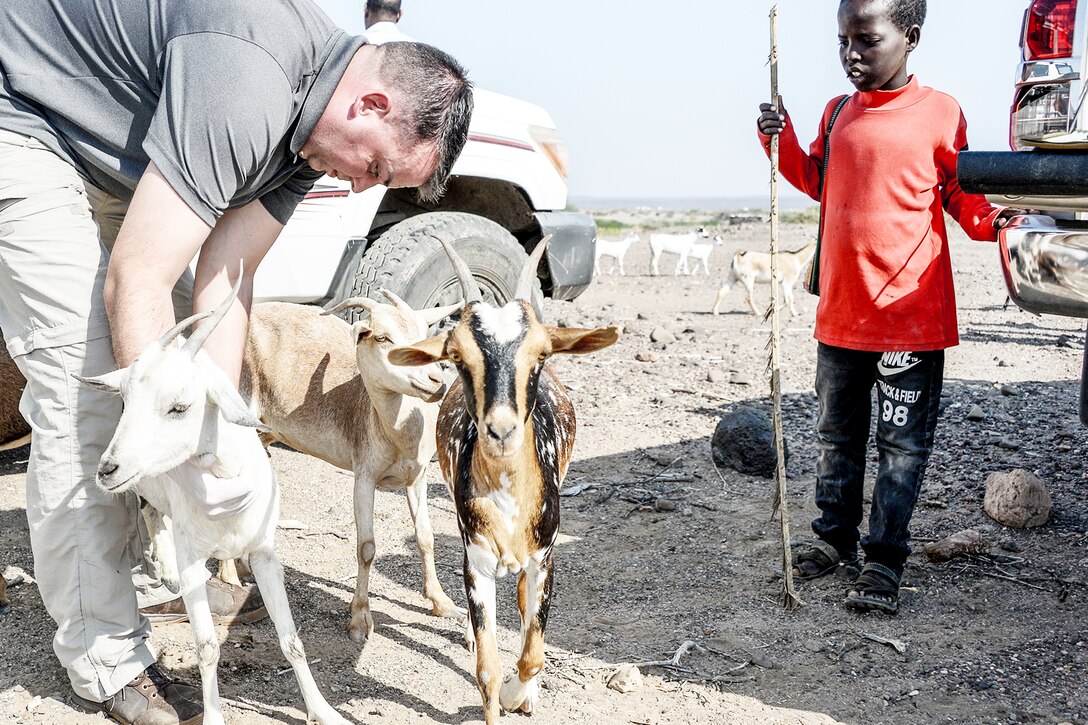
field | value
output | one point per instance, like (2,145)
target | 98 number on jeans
(897,414)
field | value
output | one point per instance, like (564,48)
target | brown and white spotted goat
(505,435)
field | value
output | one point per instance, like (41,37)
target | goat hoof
(516,695)
(447,609)
(361,628)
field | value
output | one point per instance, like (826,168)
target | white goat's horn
(528,272)
(165,340)
(469,288)
(196,341)
(352,303)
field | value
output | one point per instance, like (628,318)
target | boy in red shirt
(887,307)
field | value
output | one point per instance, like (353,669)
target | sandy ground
(999,638)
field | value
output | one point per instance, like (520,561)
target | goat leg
(362,622)
(522,690)
(269,574)
(441,604)
(195,596)
(480,590)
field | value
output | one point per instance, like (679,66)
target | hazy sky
(659,99)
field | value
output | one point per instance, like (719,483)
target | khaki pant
(56,230)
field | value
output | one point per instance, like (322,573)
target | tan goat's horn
(352,303)
(528,272)
(404,307)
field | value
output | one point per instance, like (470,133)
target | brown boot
(229,604)
(152,698)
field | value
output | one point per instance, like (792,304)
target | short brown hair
(437,100)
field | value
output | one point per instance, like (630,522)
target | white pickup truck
(1045,255)
(508,191)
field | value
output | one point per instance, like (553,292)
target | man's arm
(158,238)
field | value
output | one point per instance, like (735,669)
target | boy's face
(872,50)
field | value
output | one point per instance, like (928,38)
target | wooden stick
(790,600)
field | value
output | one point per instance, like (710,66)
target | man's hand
(219,490)
(772,118)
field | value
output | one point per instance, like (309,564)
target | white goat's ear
(110,382)
(223,393)
(423,352)
(578,341)
(360,331)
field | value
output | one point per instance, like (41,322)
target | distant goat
(505,436)
(680,244)
(327,389)
(614,249)
(750,267)
(700,252)
(180,407)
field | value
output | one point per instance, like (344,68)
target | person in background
(135,136)
(380,18)
(887,308)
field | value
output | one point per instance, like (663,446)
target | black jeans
(908,386)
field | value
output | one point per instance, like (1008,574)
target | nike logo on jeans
(893,363)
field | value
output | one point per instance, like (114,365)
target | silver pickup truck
(1044,256)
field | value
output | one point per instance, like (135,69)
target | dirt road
(660,548)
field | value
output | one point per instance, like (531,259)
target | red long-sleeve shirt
(885,272)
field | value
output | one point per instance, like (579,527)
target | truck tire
(409,261)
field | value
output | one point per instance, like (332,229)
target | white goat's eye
(543,356)
(178,409)
(380,339)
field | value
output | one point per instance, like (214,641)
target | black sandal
(818,559)
(876,589)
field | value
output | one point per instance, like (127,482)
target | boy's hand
(771,120)
(1006,214)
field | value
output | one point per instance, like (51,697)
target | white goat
(615,249)
(505,436)
(327,389)
(181,407)
(680,244)
(750,267)
(700,252)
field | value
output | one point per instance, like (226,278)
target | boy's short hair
(389,7)
(904,13)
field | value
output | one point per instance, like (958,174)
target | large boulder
(744,441)
(1018,499)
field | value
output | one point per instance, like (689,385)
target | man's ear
(376,102)
(424,352)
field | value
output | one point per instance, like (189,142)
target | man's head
(876,38)
(377,11)
(399,117)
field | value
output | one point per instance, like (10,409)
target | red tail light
(1048,32)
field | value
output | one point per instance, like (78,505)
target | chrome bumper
(1045,266)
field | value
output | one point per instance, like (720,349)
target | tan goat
(750,267)
(505,436)
(327,389)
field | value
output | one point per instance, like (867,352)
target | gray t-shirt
(219,94)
